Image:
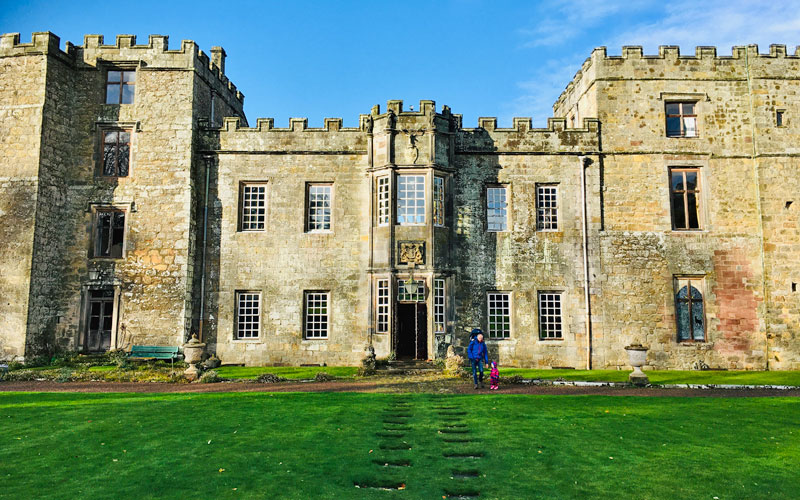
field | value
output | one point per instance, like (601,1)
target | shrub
(22,375)
(119,358)
(269,378)
(64,374)
(210,377)
(512,380)
(323,377)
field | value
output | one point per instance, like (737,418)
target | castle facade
(138,206)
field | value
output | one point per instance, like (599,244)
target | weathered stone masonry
(188,258)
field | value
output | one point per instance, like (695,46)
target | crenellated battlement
(155,53)
(233,124)
(633,64)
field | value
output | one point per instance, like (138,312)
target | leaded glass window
(496,209)
(405,295)
(499,313)
(685,198)
(319,207)
(109,233)
(382,316)
(248,315)
(438,305)
(120,86)
(253,206)
(411,199)
(316,315)
(681,119)
(116,153)
(547,208)
(383,201)
(550,316)
(689,310)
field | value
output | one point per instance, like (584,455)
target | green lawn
(289,372)
(319,445)
(664,376)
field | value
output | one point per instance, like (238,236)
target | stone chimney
(218,58)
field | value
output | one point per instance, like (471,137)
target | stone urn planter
(637,356)
(193,353)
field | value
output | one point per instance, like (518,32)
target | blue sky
(482,58)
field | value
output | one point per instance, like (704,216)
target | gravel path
(384,385)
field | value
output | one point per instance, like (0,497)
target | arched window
(689,310)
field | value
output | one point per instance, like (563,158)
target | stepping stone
(452,413)
(378,485)
(459,440)
(390,434)
(392,463)
(392,421)
(465,473)
(453,431)
(395,446)
(454,426)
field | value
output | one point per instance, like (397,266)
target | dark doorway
(412,331)
(99,324)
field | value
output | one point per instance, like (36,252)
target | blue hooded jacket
(478,350)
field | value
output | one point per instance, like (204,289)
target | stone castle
(137,206)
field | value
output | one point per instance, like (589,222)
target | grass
(320,445)
(659,377)
(289,372)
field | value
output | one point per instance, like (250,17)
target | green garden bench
(154,352)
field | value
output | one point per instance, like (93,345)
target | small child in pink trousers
(494,377)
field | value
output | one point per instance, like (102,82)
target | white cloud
(721,23)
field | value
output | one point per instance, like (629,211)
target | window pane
(114,76)
(688,108)
(691,180)
(698,319)
(683,319)
(127,94)
(673,126)
(677,181)
(411,199)
(112,93)
(691,201)
(673,108)
(690,127)
(129,76)
(678,214)
(124,154)
(496,209)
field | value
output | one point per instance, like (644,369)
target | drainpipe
(208,160)
(754,158)
(584,163)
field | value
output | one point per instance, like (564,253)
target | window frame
(307,214)
(780,118)
(243,185)
(540,220)
(383,309)
(383,193)
(690,281)
(398,182)
(121,84)
(439,305)
(96,239)
(321,293)
(681,116)
(403,297)
(237,315)
(698,193)
(103,130)
(541,317)
(505,308)
(506,197)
